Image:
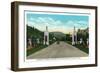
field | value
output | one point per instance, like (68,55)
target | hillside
(58,35)
(33,32)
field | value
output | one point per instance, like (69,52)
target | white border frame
(55,62)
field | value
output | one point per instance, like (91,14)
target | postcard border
(15,34)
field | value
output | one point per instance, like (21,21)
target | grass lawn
(33,50)
(69,42)
(81,47)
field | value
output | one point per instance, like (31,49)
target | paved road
(58,51)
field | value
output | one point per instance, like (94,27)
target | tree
(84,34)
(68,38)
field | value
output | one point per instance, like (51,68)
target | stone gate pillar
(46,37)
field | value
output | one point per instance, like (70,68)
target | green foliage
(59,36)
(68,37)
(83,48)
(33,50)
(33,32)
(84,34)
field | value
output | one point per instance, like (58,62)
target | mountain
(58,35)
